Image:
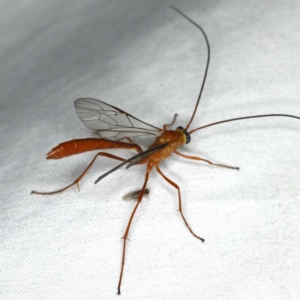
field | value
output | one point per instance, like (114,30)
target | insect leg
(205,160)
(173,121)
(81,175)
(180,205)
(149,168)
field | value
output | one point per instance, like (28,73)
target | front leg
(205,160)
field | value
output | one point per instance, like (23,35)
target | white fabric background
(146,59)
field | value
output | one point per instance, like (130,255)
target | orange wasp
(115,128)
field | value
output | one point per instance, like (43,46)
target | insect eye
(187,135)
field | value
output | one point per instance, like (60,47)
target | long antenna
(207,63)
(244,118)
(203,83)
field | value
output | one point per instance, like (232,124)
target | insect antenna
(244,118)
(203,83)
(207,62)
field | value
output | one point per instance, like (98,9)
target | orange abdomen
(83,145)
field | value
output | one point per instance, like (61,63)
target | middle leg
(180,205)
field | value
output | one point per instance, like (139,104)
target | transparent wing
(112,123)
(135,159)
(144,154)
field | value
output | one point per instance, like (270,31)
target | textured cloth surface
(146,59)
